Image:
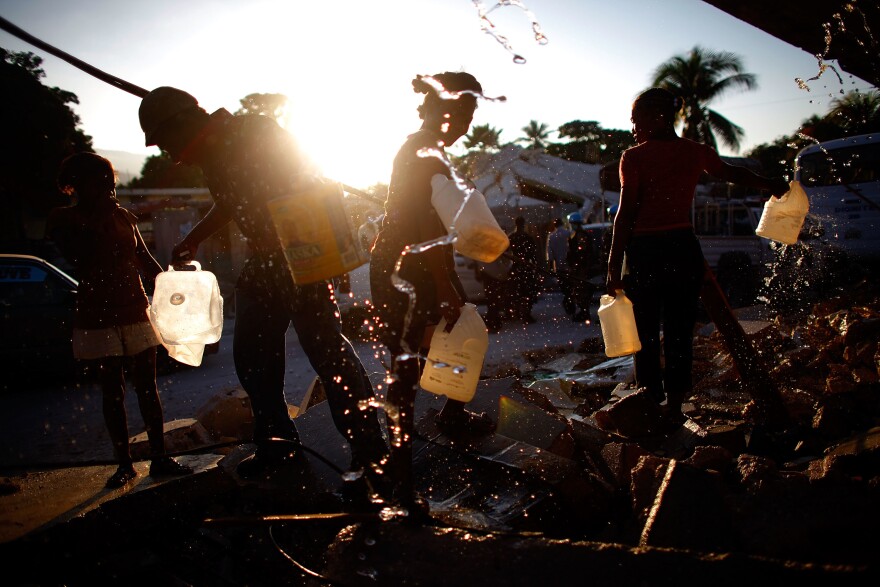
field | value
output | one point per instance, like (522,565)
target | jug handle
(190,265)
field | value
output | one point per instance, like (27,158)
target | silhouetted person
(581,257)
(437,291)
(247,161)
(524,283)
(494,277)
(557,261)
(652,227)
(111,322)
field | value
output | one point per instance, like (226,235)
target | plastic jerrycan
(783,217)
(618,325)
(316,233)
(187,307)
(455,358)
(479,236)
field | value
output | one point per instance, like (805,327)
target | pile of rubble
(612,471)
(582,479)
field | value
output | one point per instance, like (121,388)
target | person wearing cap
(248,160)
(663,258)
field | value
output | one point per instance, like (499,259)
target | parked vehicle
(726,229)
(842,181)
(37,301)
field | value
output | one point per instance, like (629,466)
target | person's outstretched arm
(216,218)
(743,176)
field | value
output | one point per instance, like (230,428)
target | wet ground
(583,481)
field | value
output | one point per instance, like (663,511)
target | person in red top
(102,241)
(653,234)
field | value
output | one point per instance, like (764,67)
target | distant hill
(128,165)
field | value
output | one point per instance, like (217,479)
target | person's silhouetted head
(172,119)
(520,223)
(87,177)
(446,110)
(557,222)
(653,114)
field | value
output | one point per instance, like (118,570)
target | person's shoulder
(127,214)
(421,148)
(693,145)
(421,139)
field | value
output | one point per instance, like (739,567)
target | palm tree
(482,137)
(857,112)
(537,134)
(700,77)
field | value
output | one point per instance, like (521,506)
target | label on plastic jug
(315,233)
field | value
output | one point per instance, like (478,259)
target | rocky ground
(584,480)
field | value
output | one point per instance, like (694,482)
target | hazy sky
(346,65)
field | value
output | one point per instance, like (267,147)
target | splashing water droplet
(490,29)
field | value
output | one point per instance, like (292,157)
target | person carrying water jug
(247,161)
(663,258)
(432,290)
(111,325)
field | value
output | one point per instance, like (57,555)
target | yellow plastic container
(783,217)
(315,232)
(618,325)
(455,358)
(479,236)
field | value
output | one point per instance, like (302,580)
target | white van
(842,180)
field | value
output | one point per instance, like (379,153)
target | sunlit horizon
(346,66)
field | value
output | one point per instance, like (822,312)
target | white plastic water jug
(188,354)
(455,358)
(618,325)
(187,307)
(783,217)
(479,236)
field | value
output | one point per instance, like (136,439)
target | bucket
(315,232)
(783,217)
(455,358)
(187,307)
(479,236)
(618,325)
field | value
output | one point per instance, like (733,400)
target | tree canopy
(39,130)
(271,105)
(854,114)
(700,77)
(537,135)
(590,142)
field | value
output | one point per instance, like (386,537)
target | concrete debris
(180,436)
(587,476)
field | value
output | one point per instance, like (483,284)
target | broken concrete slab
(635,415)
(621,458)
(689,512)
(558,391)
(398,554)
(227,415)
(182,435)
(528,423)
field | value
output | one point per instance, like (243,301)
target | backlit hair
(452,81)
(80,168)
(659,100)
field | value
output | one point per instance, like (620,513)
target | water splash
(445,94)
(490,29)
(838,22)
